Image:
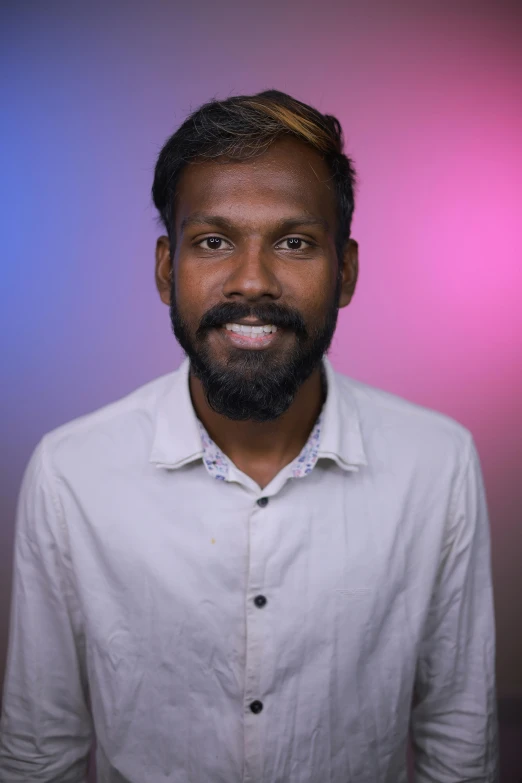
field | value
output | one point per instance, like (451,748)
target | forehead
(289,178)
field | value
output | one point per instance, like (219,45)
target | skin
(255,264)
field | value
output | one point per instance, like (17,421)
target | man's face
(256,282)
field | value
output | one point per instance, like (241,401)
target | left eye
(294,243)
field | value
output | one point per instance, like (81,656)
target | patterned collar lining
(217,463)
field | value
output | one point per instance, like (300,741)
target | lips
(248,338)
(251,330)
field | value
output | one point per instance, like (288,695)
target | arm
(45,727)
(454,715)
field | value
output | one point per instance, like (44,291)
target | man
(253,569)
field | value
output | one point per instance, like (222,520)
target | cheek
(197,290)
(318,309)
(315,292)
(189,291)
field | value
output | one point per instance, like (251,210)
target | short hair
(244,126)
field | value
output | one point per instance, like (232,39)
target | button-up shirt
(205,629)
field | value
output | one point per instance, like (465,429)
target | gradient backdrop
(429,97)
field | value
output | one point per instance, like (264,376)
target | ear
(350,272)
(163,272)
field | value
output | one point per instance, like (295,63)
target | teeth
(250,330)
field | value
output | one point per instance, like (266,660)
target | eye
(295,243)
(212,243)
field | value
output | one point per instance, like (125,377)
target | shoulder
(107,432)
(398,427)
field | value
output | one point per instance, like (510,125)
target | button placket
(255,619)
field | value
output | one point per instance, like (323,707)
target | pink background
(429,97)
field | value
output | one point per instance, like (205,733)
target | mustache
(270,313)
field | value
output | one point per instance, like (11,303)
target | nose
(252,275)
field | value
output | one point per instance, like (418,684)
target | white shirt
(134,611)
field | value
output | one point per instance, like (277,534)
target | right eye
(213,243)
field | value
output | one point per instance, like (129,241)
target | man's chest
(186,559)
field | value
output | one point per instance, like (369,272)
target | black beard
(255,385)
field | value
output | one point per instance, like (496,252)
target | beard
(255,385)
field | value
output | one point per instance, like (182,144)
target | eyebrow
(287,224)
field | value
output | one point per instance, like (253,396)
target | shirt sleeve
(45,726)
(454,726)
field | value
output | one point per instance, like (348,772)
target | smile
(250,330)
(246,336)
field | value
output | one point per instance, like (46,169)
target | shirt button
(260,600)
(256,706)
(262,502)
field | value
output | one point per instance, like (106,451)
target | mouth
(250,335)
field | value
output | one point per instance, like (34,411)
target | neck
(261,449)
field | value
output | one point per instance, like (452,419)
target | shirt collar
(341,436)
(176,440)
(177,436)
(218,465)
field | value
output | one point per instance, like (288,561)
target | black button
(262,502)
(256,706)
(260,600)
